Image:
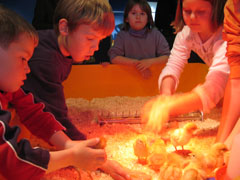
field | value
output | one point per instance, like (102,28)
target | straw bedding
(121,137)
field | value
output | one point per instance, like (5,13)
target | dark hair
(144,6)
(12,26)
(217,14)
(97,13)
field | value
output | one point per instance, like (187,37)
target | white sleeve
(214,86)
(177,59)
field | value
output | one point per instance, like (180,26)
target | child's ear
(63,27)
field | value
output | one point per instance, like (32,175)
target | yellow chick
(170,172)
(193,170)
(155,161)
(214,158)
(158,146)
(157,154)
(175,159)
(193,174)
(182,136)
(141,150)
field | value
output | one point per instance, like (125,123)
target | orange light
(156,113)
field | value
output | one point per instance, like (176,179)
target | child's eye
(23,59)
(188,12)
(200,13)
(143,14)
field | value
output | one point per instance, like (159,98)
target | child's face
(14,63)
(197,15)
(137,18)
(83,42)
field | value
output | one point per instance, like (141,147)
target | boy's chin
(80,60)
(11,89)
(87,57)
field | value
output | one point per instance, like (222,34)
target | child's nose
(95,45)
(27,68)
(193,15)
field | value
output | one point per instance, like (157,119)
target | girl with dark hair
(139,44)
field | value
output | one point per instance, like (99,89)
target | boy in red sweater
(18,160)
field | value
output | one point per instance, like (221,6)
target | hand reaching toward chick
(182,136)
(156,112)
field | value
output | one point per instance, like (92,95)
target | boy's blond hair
(97,13)
(12,26)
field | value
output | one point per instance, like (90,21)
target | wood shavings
(121,137)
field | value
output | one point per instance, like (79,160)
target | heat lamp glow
(121,139)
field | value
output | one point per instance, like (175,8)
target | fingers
(96,160)
(99,154)
(140,67)
(116,176)
(158,115)
(100,161)
(122,173)
(146,111)
(92,142)
(155,114)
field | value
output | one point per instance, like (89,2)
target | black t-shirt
(49,68)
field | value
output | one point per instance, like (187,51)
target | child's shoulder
(186,31)
(47,46)
(186,34)
(123,34)
(155,31)
(47,36)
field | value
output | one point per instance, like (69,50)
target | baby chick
(141,150)
(193,174)
(193,170)
(157,160)
(157,154)
(168,172)
(182,136)
(214,158)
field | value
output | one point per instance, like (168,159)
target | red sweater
(18,160)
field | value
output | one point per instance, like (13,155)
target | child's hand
(168,85)
(87,158)
(156,113)
(143,65)
(116,170)
(105,64)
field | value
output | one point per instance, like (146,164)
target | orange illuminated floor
(120,140)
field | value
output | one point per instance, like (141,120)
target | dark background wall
(26,9)
(23,7)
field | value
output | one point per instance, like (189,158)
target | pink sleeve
(213,88)
(177,59)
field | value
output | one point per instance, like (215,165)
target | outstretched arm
(230,113)
(158,111)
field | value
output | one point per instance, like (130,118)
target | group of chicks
(175,165)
